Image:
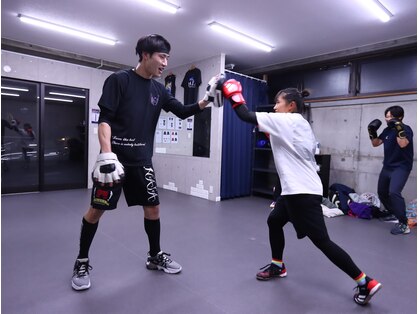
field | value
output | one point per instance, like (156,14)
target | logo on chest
(191,82)
(154,100)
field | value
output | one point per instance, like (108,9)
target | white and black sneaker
(365,292)
(400,228)
(162,262)
(81,279)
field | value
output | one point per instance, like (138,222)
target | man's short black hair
(396,111)
(151,44)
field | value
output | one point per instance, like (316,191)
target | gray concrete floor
(221,246)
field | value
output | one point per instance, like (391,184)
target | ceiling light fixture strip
(380,10)
(65,29)
(240,36)
(163,5)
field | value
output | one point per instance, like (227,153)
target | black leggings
(279,217)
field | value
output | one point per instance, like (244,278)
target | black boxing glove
(373,127)
(398,126)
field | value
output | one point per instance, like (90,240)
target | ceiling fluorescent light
(58,99)
(66,30)
(163,5)
(10,94)
(67,95)
(15,88)
(240,36)
(379,9)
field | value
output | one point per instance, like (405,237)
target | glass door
(43,136)
(19,136)
(64,137)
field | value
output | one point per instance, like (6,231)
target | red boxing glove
(232,90)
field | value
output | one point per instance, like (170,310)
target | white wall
(190,175)
(198,176)
(341,129)
(38,69)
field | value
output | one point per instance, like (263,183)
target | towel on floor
(331,212)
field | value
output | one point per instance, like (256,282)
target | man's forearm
(202,104)
(376,142)
(403,142)
(104,134)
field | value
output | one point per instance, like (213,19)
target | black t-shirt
(191,83)
(170,84)
(131,105)
(394,155)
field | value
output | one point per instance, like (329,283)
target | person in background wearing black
(397,138)
(130,105)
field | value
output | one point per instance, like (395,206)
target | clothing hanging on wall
(170,84)
(190,84)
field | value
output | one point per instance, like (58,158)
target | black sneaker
(81,279)
(366,291)
(162,262)
(389,218)
(271,271)
(400,228)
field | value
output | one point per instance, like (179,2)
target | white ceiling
(297,29)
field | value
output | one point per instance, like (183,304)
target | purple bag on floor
(360,210)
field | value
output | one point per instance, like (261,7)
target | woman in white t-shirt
(293,146)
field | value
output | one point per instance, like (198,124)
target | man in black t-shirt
(397,138)
(130,105)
